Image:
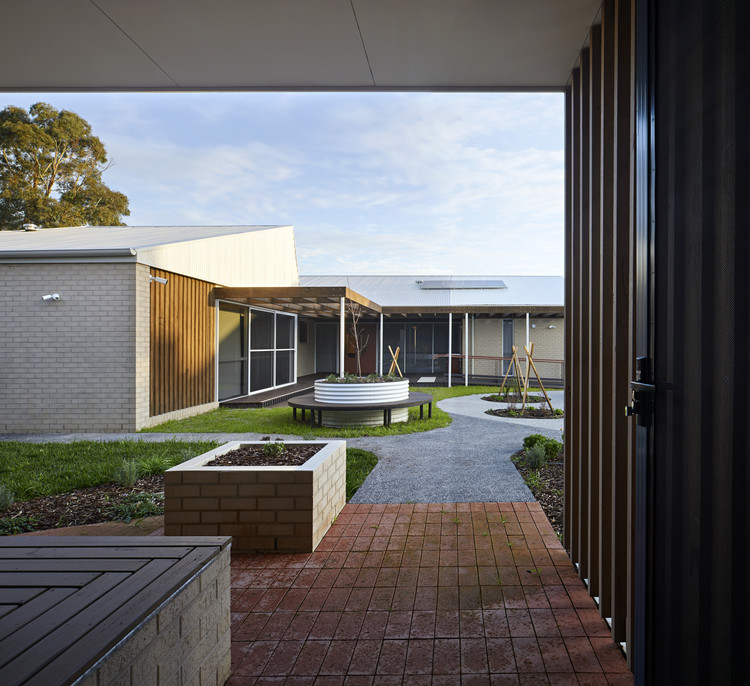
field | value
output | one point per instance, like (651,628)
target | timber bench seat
(97,610)
(308,402)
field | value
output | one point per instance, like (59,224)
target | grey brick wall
(79,364)
(186,642)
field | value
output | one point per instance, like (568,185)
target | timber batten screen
(599,495)
(183,343)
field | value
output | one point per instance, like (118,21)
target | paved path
(467,461)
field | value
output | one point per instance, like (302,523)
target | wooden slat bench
(90,610)
(308,402)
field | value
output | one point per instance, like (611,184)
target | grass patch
(33,469)
(359,463)
(278,420)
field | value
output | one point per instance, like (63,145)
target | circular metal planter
(362,394)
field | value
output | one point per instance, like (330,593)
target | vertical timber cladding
(183,343)
(599,235)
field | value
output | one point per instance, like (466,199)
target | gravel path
(468,461)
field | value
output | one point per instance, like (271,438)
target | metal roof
(406,292)
(114,239)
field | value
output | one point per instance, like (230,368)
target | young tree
(51,171)
(360,338)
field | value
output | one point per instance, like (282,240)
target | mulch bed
(255,456)
(83,506)
(528,413)
(549,492)
(513,398)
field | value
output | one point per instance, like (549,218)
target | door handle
(641,406)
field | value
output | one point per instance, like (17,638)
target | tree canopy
(51,171)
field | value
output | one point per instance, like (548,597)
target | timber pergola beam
(312,301)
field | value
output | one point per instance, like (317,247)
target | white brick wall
(142,343)
(71,365)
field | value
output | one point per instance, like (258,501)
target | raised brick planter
(263,509)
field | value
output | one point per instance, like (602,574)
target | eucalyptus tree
(51,169)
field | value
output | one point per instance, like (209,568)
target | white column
(473,339)
(342,336)
(296,344)
(466,349)
(527,329)
(380,357)
(450,345)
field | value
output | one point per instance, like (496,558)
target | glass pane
(393,335)
(261,371)
(284,331)
(326,348)
(507,342)
(419,347)
(232,354)
(261,330)
(232,379)
(458,334)
(284,367)
(440,338)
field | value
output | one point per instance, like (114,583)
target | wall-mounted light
(51,296)
(533,326)
(551,326)
(158,279)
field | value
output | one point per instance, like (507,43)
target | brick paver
(439,594)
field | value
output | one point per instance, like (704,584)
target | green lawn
(278,420)
(32,469)
(359,463)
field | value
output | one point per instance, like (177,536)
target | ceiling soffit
(292,44)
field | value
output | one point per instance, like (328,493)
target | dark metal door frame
(642,386)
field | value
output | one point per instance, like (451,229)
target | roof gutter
(91,255)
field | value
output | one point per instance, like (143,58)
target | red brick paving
(440,595)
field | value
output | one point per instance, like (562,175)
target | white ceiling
(291,44)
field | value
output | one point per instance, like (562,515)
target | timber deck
(275,396)
(66,602)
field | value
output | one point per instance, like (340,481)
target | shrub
(10,526)
(530,441)
(138,505)
(7,497)
(550,446)
(127,473)
(274,449)
(536,456)
(154,465)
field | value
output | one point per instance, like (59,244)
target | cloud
(373,182)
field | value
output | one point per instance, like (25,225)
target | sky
(374,183)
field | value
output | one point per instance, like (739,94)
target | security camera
(51,296)
(159,279)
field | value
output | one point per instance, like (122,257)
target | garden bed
(528,413)
(513,398)
(547,485)
(89,505)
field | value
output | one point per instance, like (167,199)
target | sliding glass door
(256,350)
(232,351)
